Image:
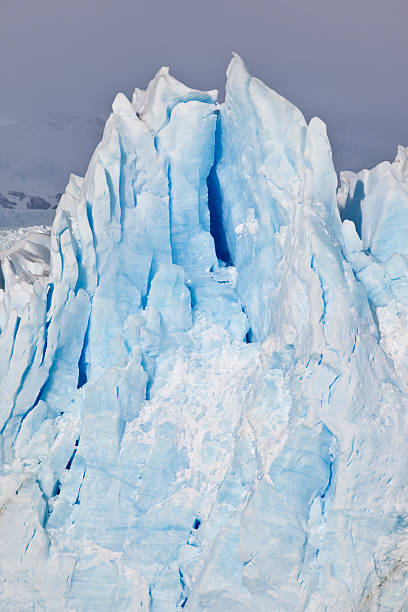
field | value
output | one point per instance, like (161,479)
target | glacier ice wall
(203,402)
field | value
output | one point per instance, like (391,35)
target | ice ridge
(203,389)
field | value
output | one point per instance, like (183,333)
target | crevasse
(203,398)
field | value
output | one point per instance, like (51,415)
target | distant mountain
(36,158)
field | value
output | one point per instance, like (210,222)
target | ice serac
(332,516)
(270,166)
(198,410)
(133,269)
(374,206)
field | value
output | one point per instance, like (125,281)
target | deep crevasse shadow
(215,204)
(352,209)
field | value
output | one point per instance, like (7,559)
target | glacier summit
(204,370)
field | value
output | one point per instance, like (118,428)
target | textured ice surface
(377,201)
(203,406)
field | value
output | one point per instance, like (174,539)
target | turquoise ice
(203,370)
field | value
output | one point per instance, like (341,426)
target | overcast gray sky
(345,61)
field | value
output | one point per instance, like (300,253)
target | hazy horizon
(342,62)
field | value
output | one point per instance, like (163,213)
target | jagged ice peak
(204,369)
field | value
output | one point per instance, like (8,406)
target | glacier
(203,369)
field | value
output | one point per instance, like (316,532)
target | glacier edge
(179,431)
